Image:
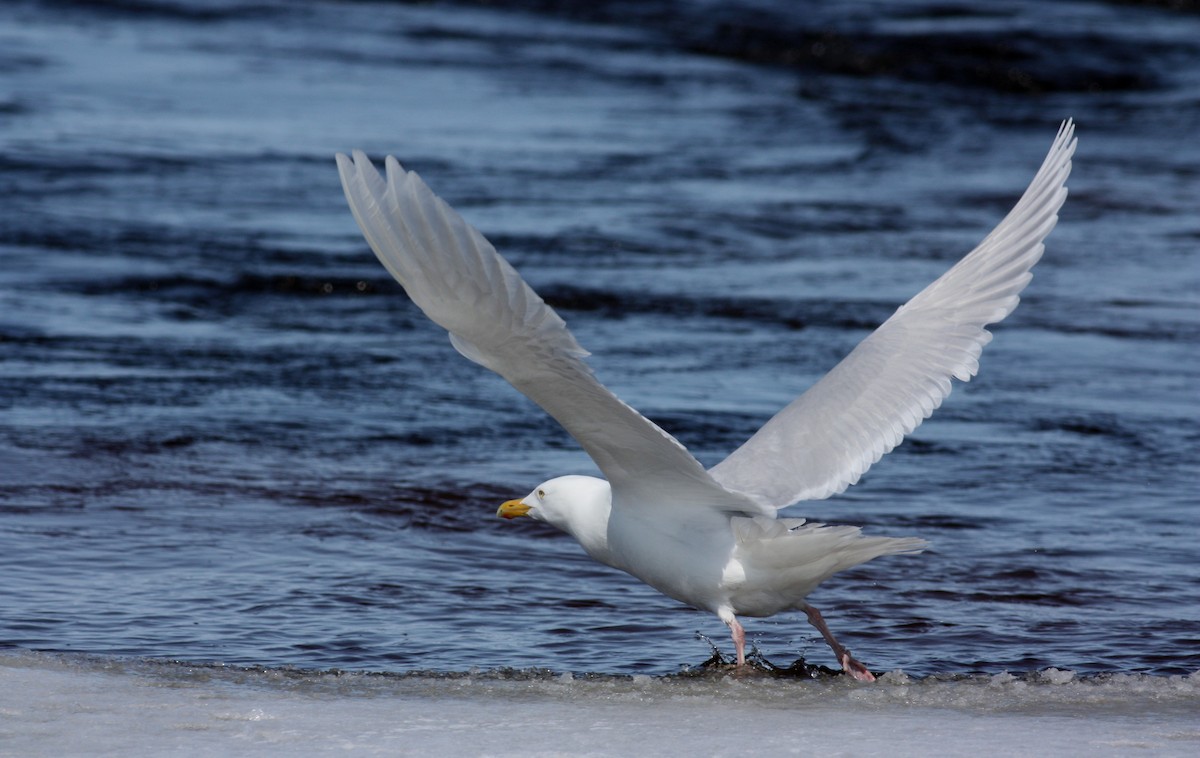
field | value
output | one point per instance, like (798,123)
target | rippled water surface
(227,436)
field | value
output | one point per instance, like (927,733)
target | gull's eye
(541,494)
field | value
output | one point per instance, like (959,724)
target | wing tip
(346,167)
(1065,143)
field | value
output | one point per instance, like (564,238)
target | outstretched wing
(825,439)
(495,319)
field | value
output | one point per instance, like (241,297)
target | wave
(1028,48)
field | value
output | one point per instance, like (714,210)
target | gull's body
(708,538)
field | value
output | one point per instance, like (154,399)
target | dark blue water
(226,436)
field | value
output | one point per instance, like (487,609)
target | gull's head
(571,503)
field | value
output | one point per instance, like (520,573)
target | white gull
(708,538)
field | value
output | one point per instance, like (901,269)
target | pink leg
(737,632)
(849,665)
(739,641)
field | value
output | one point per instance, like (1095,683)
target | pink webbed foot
(852,667)
(856,669)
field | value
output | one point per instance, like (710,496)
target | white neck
(580,506)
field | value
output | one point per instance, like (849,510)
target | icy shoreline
(72,705)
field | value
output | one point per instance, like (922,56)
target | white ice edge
(55,705)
